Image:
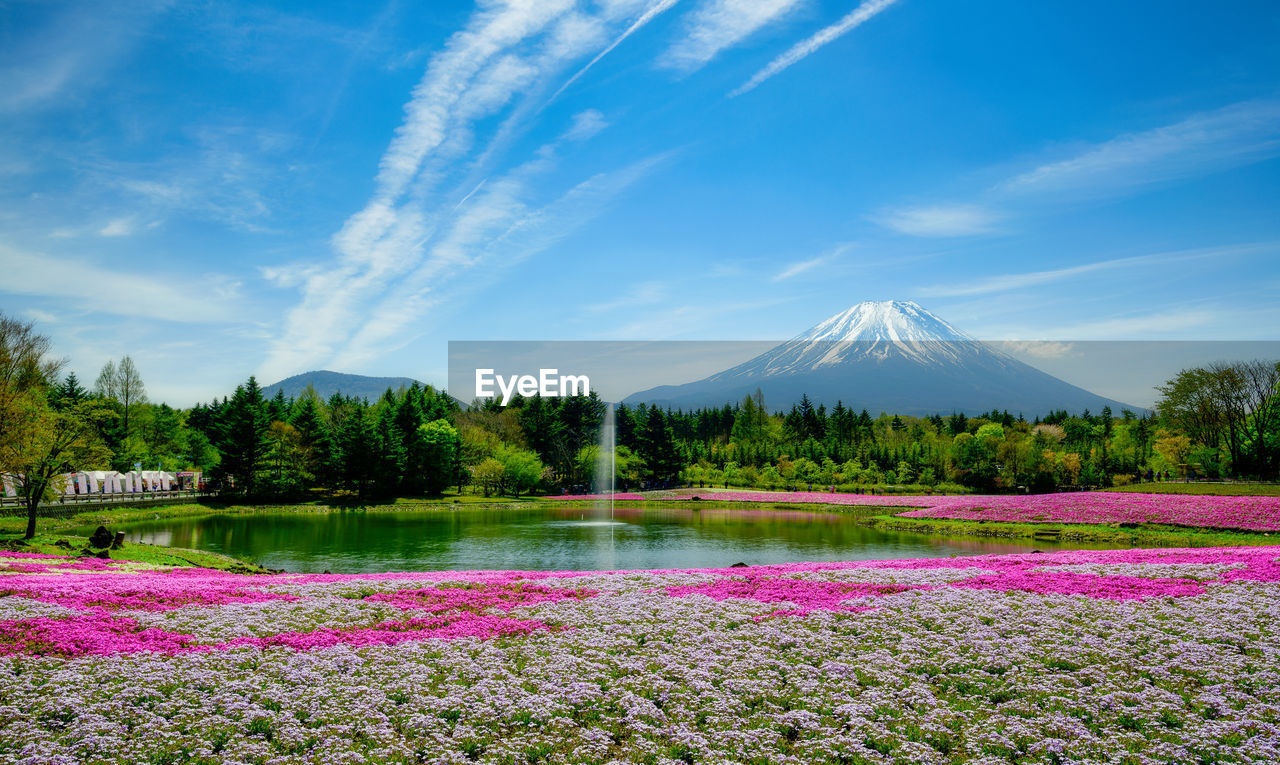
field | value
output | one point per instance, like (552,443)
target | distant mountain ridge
(326,383)
(891,356)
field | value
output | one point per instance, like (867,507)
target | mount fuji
(891,356)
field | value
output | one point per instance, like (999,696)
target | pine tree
(278,408)
(314,439)
(243,437)
(390,467)
(658,448)
(70,392)
(358,447)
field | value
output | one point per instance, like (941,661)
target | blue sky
(220,190)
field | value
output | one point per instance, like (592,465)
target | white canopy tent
(104,481)
(160,480)
(69,483)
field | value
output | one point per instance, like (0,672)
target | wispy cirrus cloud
(72,50)
(1197,145)
(414,236)
(1018,281)
(586,124)
(500,230)
(1039,349)
(91,287)
(480,69)
(854,19)
(644,293)
(717,25)
(805,266)
(1174,324)
(1206,142)
(939,220)
(650,13)
(117,227)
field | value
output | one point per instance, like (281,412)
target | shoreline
(59,535)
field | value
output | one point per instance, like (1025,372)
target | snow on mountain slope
(869,330)
(891,356)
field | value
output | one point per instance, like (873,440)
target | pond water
(548,538)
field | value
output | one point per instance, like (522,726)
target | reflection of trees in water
(536,538)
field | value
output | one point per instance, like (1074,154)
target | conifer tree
(243,437)
(658,448)
(358,449)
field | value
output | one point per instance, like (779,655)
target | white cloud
(1205,142)
(717,25)
(650,13)
(478,71)
(68,53)
(117,227)
(417,234)
(939,220)
(854,19)
(681,321)
(1040,349)
(1018,281)
(1146,326)
(498,230)
(227,175)
(645,293)
(288,274)
(83,285)
(585,125)
(804,266)
(451,76)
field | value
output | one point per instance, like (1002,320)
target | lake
(539,538)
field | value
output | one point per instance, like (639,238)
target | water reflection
(550,538)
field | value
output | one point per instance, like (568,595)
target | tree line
(1220,420)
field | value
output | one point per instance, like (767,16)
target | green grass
(1205,489)
(1128,535)
(153,555)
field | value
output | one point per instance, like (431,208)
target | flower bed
(597,497)
(1105,656)
(1248,513)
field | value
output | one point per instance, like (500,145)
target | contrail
(645,18)
(801,49)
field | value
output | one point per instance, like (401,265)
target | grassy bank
(152,555)
(1131,535)
(1138,535)
(1205,489)
(55,535)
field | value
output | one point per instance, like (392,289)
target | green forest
(1217,421)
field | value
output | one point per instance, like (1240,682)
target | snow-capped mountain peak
(896,321)
(870,330)
(891,356)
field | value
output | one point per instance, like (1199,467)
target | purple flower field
(1249,513)
(1133,656)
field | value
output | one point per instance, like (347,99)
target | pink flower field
(1248,513)
(1129,656)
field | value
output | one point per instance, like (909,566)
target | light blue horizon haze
(232,189)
